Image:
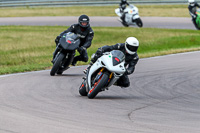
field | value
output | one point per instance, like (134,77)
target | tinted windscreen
(117,56)
(71,35)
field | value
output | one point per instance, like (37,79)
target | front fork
(56,50)
(97,77)
(100,74)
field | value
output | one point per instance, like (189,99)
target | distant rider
(86,34)
(192,10)
(129,48)
(122,6)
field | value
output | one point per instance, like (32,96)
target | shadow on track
(113,97)
(71,75)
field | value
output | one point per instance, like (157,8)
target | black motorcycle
(64,53)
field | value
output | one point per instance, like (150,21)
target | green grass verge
(144,10)
(28,48)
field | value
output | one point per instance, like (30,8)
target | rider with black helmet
(122,6)
(86,34)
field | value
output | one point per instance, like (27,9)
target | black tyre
(139,22)
(59,72)
(125,25)
(57,63)
(98,86)
(82,89)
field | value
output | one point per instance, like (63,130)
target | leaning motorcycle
(198,19)
(103,73)
(64,53)
(131,17)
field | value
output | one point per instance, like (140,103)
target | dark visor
(131,48)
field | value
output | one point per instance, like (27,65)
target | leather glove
(57,39)
(99,52)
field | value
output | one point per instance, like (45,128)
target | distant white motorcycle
(131,17)
(103,73)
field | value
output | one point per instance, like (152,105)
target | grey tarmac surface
(153,22)
(163,98)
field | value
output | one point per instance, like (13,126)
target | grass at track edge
(30,48)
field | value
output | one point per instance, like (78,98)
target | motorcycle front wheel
(66,63)
(96,88)
(139,22)
(57,63)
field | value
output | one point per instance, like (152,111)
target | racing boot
(86,69)
(74,61)
(55,53)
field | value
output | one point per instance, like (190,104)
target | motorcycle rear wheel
(124,24)
(82,89)
(57,63)
(99,85)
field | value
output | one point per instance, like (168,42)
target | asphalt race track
(153,22)
(163,98)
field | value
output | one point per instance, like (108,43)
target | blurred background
(18,3)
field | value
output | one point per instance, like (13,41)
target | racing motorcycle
(103,73)
(131,17)
(64,53)
(198,19)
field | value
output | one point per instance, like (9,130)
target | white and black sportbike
(103,73)
(64,53)
(131,17)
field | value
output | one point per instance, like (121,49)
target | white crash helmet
(191,2)
(131,45)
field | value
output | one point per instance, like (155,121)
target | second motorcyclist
(122,6)
(86,34)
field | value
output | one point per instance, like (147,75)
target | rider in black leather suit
(86,34)
(129,48)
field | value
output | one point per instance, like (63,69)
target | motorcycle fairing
(105,61)
(198,17)
(131,15)
(69,41)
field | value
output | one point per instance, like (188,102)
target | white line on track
(22,73)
